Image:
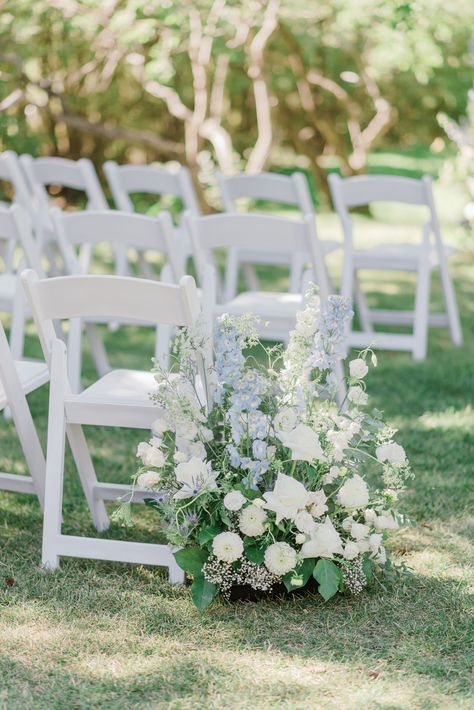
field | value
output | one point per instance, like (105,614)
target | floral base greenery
(258,478)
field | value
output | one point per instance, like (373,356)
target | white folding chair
(422,258)
(122,232)
(119,399)
(17,379)
(74,174)
(17,250)
(126,180)
(10,171)
(289,190)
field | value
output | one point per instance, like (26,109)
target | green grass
(118,636)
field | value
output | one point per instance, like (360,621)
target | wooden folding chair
(126,180)
(17,379)
(118,399)
(423,259)
(289,190)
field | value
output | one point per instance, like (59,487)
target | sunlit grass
(118,636)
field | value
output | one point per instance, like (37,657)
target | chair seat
(119,398)
(266,304)
(31,373)
(396,256)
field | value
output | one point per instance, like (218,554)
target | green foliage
(203,592)
(191,559)
(299,577)
(328,575)
(125,81)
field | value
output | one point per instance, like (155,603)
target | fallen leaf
(9,581)
(373,674)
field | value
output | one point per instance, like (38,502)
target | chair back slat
(364,190)
(287,189)
(107,297)
(77,175)
(125,180)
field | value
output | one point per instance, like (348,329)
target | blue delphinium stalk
(329,339)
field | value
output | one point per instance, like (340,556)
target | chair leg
(231,275)
(450,301)
(85,469)
(250,277)
(17,330)
(98,352)
(175,573)
(362,308)
(163,344)
(74,360)
(341,392)
(422,306)
(53,494)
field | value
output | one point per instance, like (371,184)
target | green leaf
(203,592)
(327,574)
(299,577)
(191,559)
(367,568)
(207,533)
(254,554)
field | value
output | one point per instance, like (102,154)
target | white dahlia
(280,558)
(227,547)
(252,521)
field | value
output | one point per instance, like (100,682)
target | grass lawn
(118,636)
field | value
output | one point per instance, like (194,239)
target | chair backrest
(10,171)
(125,180)
(74,174)
(123,298)
(289,190)
(360,191)
(265,233)
(15,231)
(121,231)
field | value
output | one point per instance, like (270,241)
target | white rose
(186,429)
(227,547)
(285,419)
(357,368)
(357,396)
(347,523)
(197,448)
(318,503)
(375,540)
(195,476)
(150,455)
(351,550)
(370,515)
(288,497)
(280,558)
(359,531)
(149,479)
(304,522)
(159,427)
(325,541)
(180,457)
(331,476)
(252,521)
(353,493)
(258,502)
(300,539)
(303,442)
(391,453)
(386,521)
(234,500)
(363,545)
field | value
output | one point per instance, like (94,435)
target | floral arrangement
(261,482)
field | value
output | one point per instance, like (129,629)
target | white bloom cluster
(266,477)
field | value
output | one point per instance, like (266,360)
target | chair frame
(124,180)
(15,392)
(15,228)
(286,189)
(365,190)
(122,231)
(89,297)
